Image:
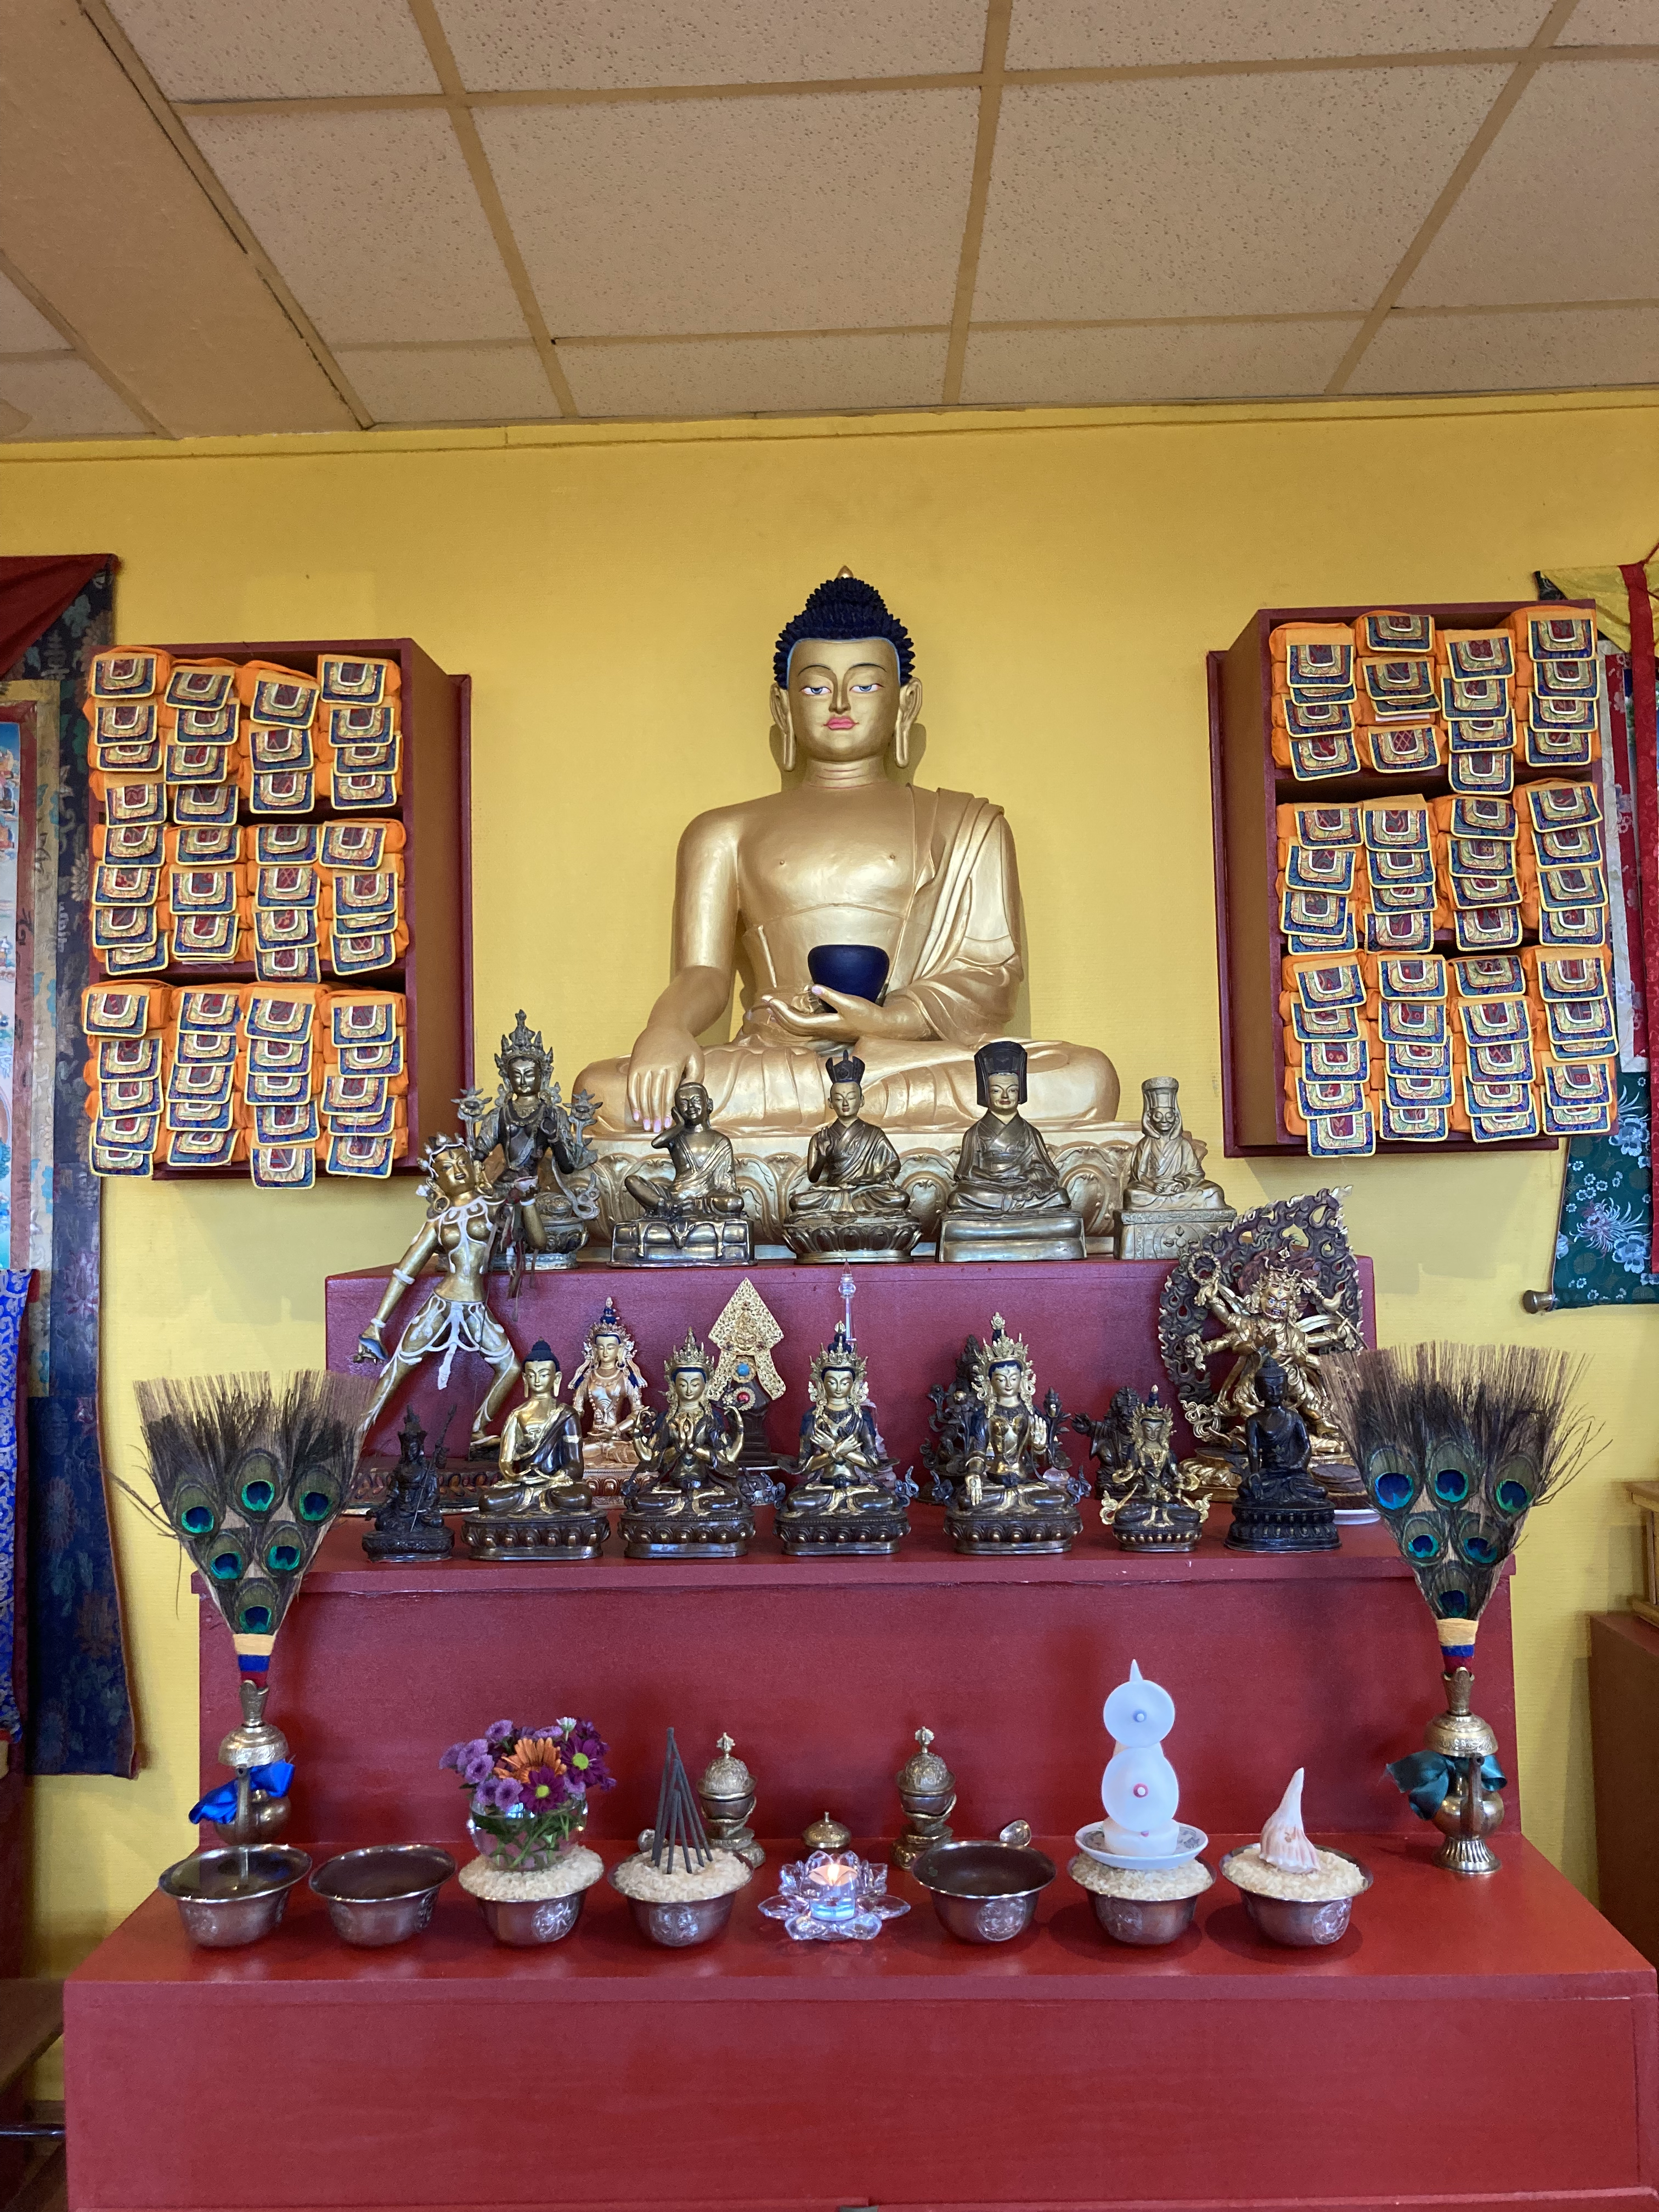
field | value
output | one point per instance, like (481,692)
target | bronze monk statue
(693,1217)
(849,859)
(850,1206)
(1008,1201)
(1168,1204)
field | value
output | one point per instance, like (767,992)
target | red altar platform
(1480,2043)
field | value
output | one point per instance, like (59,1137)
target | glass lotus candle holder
(833,1897)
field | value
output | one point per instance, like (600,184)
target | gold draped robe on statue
(952,927)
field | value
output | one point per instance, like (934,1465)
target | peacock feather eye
(1512,1492)
(195,1510)
(1421,1539)
(1452,1605)
(258,1608)
(1451,1485)
(259,1478)
(285,1551)
(1391,1479)
(316,1493)
(226,1561)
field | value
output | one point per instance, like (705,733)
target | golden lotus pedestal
(965,1235)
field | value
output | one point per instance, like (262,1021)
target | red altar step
(1091,1325)
(1482,2044)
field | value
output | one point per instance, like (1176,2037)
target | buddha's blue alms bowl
(859,970)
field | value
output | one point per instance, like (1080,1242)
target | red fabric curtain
(34,590)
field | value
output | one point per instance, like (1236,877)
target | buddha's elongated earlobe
(784,724)
(909,707)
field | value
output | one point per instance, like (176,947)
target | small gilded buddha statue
(850,1206)
(693,1217)
(849,856)
(1168,1204)
(1007,1201)
(546,1161)
(846,1495)
(685,1499)
(541,1508)
(608,1392)
(463,1210)
(1014,1489)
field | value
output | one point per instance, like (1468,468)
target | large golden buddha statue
(856,908)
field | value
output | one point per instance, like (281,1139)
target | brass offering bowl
(1301,1923)
(231,1896)
(523,1922)
(984,1892)
(383,1894)
(1144,1919)
(677,1925)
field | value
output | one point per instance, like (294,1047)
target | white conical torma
(1285,1840)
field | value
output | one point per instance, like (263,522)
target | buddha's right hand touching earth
(666,1055)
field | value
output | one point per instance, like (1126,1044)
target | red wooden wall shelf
(435,974)
(1247,785)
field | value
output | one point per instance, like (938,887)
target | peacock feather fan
(250,1472)
(1456,1443)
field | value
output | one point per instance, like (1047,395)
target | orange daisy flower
(530,1752)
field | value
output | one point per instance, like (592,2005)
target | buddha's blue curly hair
(841,608)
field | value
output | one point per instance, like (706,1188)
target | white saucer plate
(1192,1842)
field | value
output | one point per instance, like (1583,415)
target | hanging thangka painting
(1604,1245)
(78,1718)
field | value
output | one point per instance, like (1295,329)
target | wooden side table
(1623,1681)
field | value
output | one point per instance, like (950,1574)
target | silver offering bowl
(1301,1923)
(1144,1919)
(383,1894)
(525,1921)
(679,1925)
(984,1892)
(234,1896)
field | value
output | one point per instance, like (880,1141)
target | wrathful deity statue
(1149,1501)
(849,856)
(686,1498)
(1280,1506)
(1011,1488)
(692,1217)
(541,1507)
(546,1161)
(463,1212)
(1168,1204)
(1277,1311)
(850,1206)
(846,1495)
(608,1392)
(1007,1201)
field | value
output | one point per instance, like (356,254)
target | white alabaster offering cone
(1285,1840)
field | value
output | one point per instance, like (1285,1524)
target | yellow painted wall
(615,593)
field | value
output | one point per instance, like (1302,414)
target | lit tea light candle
(833,1885)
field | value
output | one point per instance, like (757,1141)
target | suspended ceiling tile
(63,399)
(820,212)
(1114,35)
(1565,206)
(451,384)
(103,219)
(1613,23)
(23,328)
(1187,361)
(282,50)
(757,376)
(1540,350)
(514,46)
(372,220)
(1250,195)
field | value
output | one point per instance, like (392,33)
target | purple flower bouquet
(527,1788)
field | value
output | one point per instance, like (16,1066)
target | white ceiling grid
(500,211)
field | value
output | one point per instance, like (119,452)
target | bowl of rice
(678,1906)
(1142,1904)
(1301,1909)
(540,1906)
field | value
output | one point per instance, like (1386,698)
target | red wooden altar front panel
(1487,2042)
(822,1670)
(1091,1325)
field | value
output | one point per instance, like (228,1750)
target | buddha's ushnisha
(847,854)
